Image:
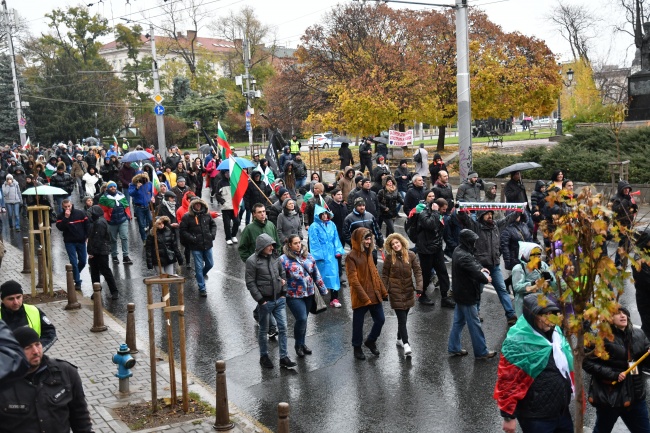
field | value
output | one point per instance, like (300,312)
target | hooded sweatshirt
(525,275)
(197,228)
(289,222)
(623,205)
(264,272)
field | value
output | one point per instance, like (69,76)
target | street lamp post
(96,131)
(569,75)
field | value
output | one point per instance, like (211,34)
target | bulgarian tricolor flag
(28,144)
(238,183)
(524,355)
(115,142)
(223,143)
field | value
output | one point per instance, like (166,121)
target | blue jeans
(399,205)
(635,418)
(300,309)
(378,319)
(500,286)
(301,182)
(467,314)
(125,191)
(121,230)
(561,424)
(78,258)
(203,262)
(13,214)
(144,220)
(277,309)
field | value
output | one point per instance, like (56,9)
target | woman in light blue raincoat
(325,246)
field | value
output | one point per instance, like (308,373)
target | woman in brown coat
(400,265)
(366,291)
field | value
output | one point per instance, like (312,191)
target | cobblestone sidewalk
(92,353)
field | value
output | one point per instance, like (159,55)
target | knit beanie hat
(472,174)
(282,191)
(403,161)
(359,201)
(358,179)
(111,184)
(9,288)
(26,336)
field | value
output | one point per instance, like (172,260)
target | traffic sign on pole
(157,98)
(159,110)
(22,121)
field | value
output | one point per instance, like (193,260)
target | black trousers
(402,333)
(99,266)
(437,262)
(228,217)
(365,163)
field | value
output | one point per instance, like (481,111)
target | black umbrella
(383,140)
(520,166)
(206,148)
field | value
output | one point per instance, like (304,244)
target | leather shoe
(306,349)
(266,362)
(447,302)
(372,346)
(300,352)
(425,300)
(358,353)
(462,352)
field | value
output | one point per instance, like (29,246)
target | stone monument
(638,84)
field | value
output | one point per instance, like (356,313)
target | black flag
(272,158)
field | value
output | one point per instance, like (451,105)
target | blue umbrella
(242,162)
(136,155)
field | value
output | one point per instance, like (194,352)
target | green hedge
(583,157)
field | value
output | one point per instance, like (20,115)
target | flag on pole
(27,145)
(155,183)
(223,142)
(272,158)
(238,184)
(115,142)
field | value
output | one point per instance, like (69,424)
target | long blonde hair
(390,253)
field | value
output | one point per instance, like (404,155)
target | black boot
(358,353)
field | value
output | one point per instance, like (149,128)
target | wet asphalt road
(329,391)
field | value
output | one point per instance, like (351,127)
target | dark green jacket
(250,234)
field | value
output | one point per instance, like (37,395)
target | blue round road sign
(159,110)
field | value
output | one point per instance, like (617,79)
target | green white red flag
(115,142)
(238,183)
(226,152)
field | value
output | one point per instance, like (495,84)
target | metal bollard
(72,294)
(41,270)
(130,328)
(283,417)
(27,262)
(98,309)
(222,421)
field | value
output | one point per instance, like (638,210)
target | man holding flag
(230,192)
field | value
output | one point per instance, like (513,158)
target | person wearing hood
(514,233)
(285,158)
(345,156)
(19,176)
(12,198)
(326,248)
(400,266)
(535,374)
(402,178)
(347,183)
(224,198)
(303,278)
(267,174)
(141,191)
(380,171)
(99,248)
(300,170)
(467,277)
(537,203)
(528,271)
(367,291)
(625,210)
(92,181)
(255,195)
(198,230)
(110,170)
(389,200)
(436,166)
(162,245)
(488,251)
(289,221)
(118,214)
(264,281)
(627,398)
(360,218)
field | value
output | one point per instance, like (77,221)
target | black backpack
(411,227)
(417,157)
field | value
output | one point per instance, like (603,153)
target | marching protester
(327,250)
(198,231)
(75,225)
(99,248)
(118,214)
(162,246)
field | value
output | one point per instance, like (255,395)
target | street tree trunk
(442,130)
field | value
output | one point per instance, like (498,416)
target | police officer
(49,398)
(294,145)
(16,314)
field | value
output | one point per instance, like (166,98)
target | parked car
(324,140)
(545,122)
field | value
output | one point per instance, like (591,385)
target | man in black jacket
(62,180)
(370,197)
(365,156)
(75,226)
(49,398)
(299,170)
(625,210)
(467,276)
(198,231)
(13,363)
(17,314)
(515,192)
(642,283)
(415,194)
(99,248)
(429,248)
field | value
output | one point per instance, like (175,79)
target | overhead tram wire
(95,104)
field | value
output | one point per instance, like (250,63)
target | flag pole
(260,190)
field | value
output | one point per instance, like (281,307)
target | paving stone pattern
(92,353)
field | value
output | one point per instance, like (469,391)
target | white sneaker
(234,240)
(407,350)
(399,342)
(229,242)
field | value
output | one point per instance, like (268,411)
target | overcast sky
(289,18)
